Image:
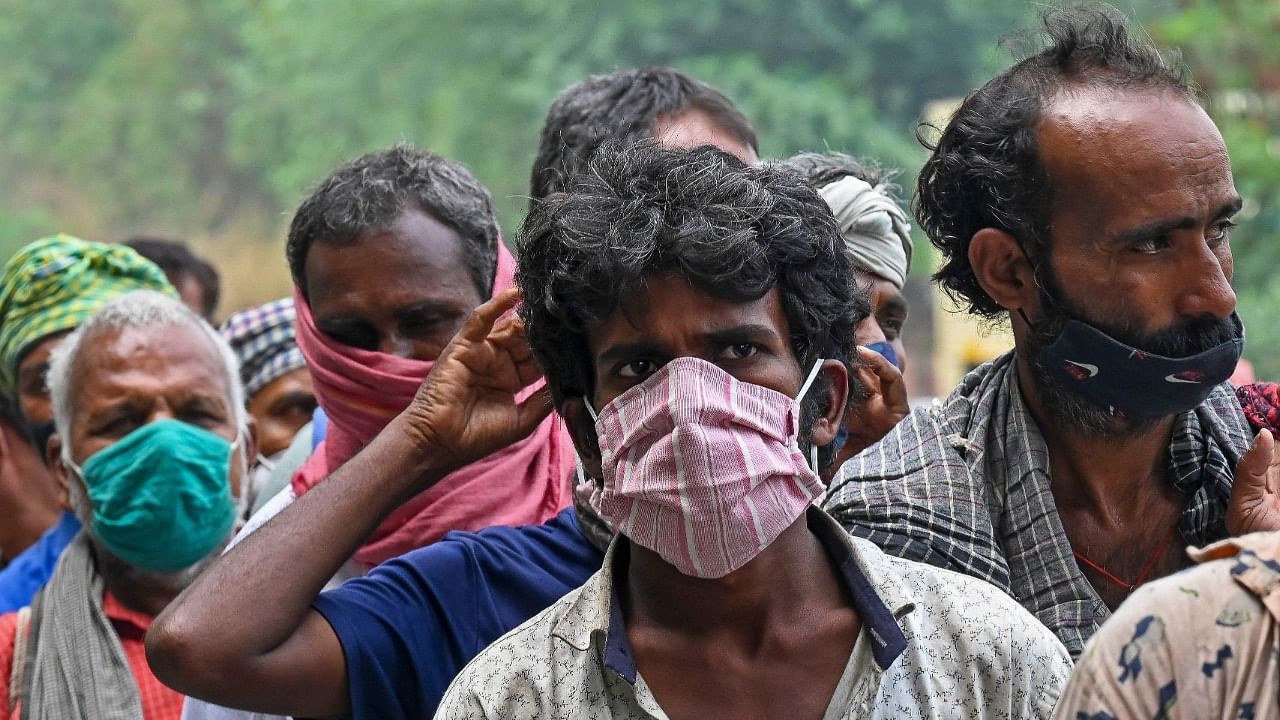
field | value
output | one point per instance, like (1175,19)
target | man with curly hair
(694,318)
(1085,197)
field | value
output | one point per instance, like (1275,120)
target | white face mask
(703,469)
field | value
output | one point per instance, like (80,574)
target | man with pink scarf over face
(389,255)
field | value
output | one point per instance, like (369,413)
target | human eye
(637,369)
(739,351)
(892,328)
(1221,231)
(1151,245)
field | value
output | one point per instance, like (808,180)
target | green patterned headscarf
(57,283)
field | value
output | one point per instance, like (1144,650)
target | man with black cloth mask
(1085,195)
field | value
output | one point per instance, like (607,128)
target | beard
(1071,411)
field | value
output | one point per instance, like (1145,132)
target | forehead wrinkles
(111,357)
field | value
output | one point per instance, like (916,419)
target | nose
(393,343)
(1207,286)
(161,411)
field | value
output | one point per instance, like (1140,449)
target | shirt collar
(118,613)
(880,598)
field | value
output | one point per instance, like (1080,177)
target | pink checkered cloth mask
(701,468)
(528,482)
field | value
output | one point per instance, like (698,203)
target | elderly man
(47,289)
(700,359)
(151,447)
(277,384)
(386,645)
(1085,196)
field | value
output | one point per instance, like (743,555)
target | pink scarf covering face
(361,391)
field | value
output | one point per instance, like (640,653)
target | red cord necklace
(1143,575)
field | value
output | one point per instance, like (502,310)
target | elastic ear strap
(590,410)
(813,375)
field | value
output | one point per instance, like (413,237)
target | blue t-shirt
(32,568)
(410,625)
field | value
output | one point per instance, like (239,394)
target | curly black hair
(734,232)
(985,169)
(371,192)
(621,106)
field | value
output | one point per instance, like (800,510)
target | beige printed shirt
(1201,644)
(933,644)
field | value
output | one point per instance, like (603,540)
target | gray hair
(371,192)
(137,309)
(822,169)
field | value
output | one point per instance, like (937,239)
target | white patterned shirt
(933,644)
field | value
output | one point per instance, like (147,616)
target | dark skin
(885,404)
(1143,199)
(28,495)
(33,366)
(772,638)
(402,291)
(221,642)
(888,313)
(130,378)
(281,408)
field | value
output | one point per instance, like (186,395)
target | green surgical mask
(161,496)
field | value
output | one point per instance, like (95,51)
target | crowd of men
(656,460)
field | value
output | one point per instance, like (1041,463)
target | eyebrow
(721,336)
(429,305)
(1156,228)
(895,304)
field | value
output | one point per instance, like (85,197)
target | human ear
(53,456)
(828,424)
(249,448)
(1002,269)
(583,431)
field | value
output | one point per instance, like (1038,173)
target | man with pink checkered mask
(694,319)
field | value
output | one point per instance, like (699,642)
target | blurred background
(206,121)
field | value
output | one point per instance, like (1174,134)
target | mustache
(1180,340)
(1183,339)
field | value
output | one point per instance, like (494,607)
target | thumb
(533,410)
(1255,463)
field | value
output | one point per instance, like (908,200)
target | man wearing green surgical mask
(151,448)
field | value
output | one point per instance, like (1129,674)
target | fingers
(887,376)
(533,410)
(482,319)
(1260,457)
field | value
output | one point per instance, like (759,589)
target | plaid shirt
(159,702)
(964,485)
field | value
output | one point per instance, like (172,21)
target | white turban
(877,234)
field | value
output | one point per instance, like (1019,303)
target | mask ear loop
(582,475)
(804,389)
(242,500)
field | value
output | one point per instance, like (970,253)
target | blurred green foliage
(203,118)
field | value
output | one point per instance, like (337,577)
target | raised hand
(1255,502)
(466,407)
(881,406)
